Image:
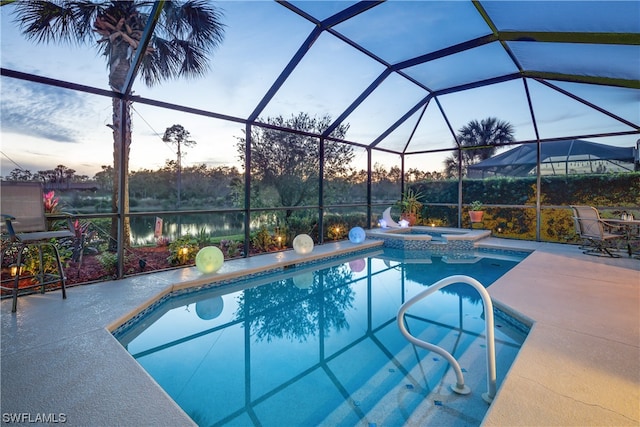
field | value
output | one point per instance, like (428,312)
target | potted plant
(475,211)
(410,206)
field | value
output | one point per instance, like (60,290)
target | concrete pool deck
(580,364)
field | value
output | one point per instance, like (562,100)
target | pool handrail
(459,387)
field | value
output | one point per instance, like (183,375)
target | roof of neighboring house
(520,161)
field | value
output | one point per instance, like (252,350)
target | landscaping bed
(92,269)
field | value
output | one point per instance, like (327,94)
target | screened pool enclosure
(315,116)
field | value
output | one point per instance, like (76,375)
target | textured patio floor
(580,365)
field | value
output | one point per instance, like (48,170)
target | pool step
(410,382)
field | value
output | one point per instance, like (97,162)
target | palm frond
(195,21)
(181,45)
(194,60)
(47,21)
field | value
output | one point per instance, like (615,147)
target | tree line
(285,166)
(200,179)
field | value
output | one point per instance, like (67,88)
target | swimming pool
(318,344)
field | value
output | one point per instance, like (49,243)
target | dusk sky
(45,126)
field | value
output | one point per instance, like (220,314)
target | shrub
(231,249)
(203,238)
(109,261)
(338,230)
(262,241)
(183,251)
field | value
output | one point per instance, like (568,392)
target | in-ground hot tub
(435,239)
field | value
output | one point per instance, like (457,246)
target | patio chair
(26,226)
(595,233)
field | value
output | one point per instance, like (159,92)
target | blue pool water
(319,345)
(423,230)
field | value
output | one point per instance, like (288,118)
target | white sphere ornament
(357,235)
(209,259)
(303,244)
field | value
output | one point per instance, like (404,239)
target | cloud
(42,111)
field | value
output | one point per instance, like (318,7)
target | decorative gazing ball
(303,244)
(209,259)
(209,309)
(303,281)
(357,235)
(357,265)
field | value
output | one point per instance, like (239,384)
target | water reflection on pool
(320,346)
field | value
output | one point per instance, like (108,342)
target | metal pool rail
(459,387)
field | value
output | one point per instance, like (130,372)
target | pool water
(319,345)
(422,230)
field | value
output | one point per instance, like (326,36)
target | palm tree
(185,34)
(478,141)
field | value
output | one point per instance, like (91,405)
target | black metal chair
(595,233)
(26,225)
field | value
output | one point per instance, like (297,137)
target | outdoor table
(630,228)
